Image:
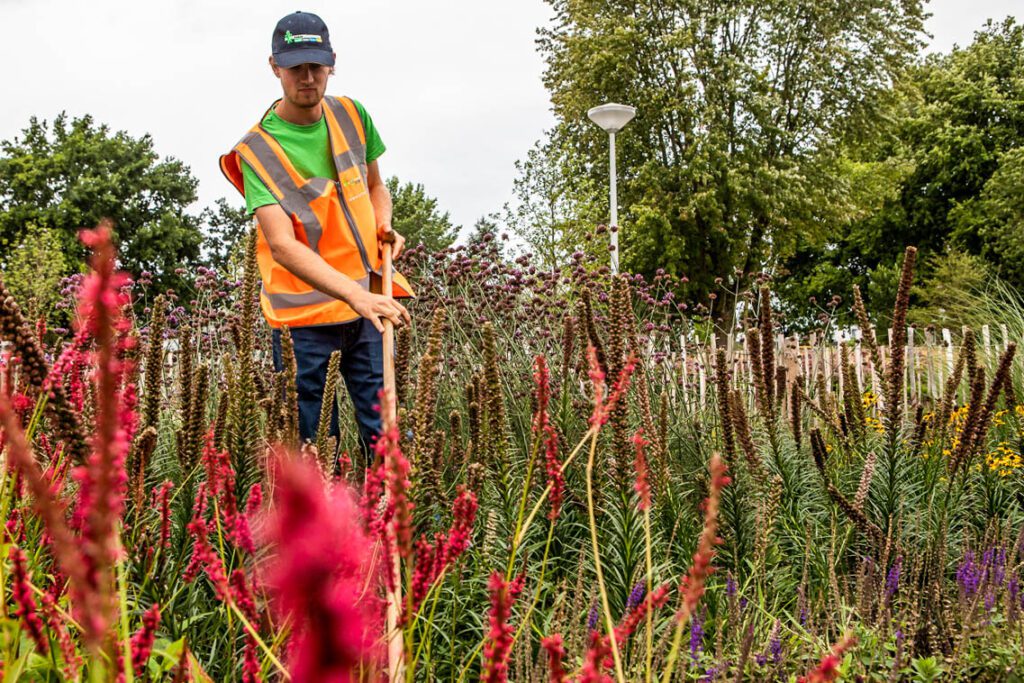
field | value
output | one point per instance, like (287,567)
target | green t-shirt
(309,150)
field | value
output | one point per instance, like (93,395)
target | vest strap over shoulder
(334,216)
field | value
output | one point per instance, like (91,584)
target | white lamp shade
(612,117)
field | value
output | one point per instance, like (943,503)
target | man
(309,172)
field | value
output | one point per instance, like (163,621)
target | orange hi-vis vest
(332,216)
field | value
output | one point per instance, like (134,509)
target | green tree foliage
(943,171)
(993,222)
(732,156)
(32,271)
(225,229)
(484,239)
(417,217)
(554,203)
(952,289)
(72,174)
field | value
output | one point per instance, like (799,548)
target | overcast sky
(454,86)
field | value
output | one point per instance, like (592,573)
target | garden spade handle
(396,645)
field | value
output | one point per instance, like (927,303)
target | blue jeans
(362,367)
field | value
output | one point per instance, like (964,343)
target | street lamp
(613,118)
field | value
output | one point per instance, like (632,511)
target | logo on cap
(290,38)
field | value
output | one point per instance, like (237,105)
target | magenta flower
(25,602)
(319,573)
(143,639)
(553,469)
(499,638)
(433,558)
(556,654)
(643,486)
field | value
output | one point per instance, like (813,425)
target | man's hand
(375,306)
(387,234)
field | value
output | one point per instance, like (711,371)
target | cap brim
(304,56)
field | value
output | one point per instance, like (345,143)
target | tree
(417,218)
(226,228)
(33,271)
(73,174)
(552,207)
(946,296)
(942,171)
(732,156)
(485,241)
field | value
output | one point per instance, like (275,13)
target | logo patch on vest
(290,37)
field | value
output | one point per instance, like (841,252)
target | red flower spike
(553,469)
(642,486)
(693,583)
(594,661)
(556,654)
(24,600)
(828,669)
(396,473)
(499,637)
(319,574)
(653,601)
(67,647)
(162,502)
(432,558)
(143,639)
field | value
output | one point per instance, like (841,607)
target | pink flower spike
(463,516)
(828,669)
(433,558)
(693,583)
(321,575)
(103,478)
(396,470)
(25,602)
(499,638)
(643,486)
(161,500)
(598,653)
(553,469)
(603,408)
(556,654)
(597,379)
(143,639)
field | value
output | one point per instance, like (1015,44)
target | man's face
(303,85)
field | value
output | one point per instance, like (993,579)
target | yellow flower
(1003,460)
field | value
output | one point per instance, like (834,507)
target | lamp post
(612,118)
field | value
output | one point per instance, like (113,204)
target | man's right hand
(375,306)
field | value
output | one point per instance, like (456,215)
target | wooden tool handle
(396,644)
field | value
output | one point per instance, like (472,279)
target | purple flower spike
(968,575)
(696,636)
(592,618)
(636,596)
(775,644)
(892,580)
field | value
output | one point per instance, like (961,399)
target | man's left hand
(385,233)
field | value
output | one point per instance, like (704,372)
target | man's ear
(273,66)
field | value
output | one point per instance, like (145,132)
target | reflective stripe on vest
(333,216)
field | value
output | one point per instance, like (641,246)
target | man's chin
(307,100)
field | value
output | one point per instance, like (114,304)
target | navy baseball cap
(301,38)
